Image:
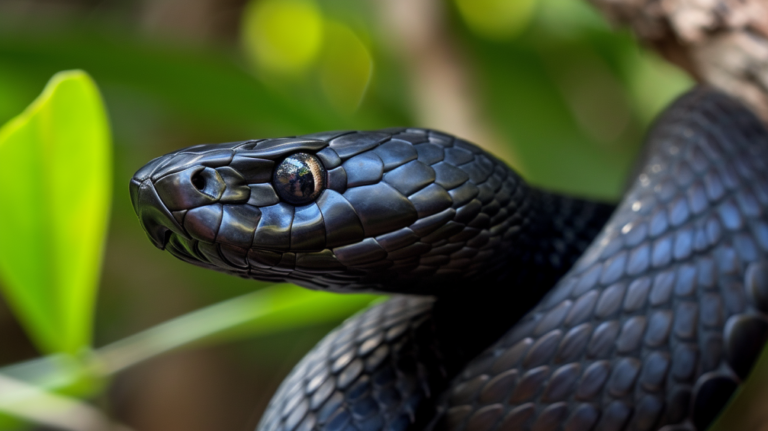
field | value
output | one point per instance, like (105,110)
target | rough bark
(719,42)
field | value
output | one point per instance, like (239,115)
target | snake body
(651,326)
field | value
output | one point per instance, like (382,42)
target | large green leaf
(55,183)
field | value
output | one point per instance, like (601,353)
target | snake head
(390,210)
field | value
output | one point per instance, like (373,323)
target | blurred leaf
(204,90)
(270,310)
(569,19)
(496,19)
(282,36)
(654,83)
(56,184)
(12,423)
(594,96)
(566,100)
(346,67)
(524,98)
(299,52)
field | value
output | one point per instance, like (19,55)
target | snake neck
(550,233)
(554,233)
(546,235)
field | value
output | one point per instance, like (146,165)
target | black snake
(647,317)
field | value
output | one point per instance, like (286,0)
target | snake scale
(521,309)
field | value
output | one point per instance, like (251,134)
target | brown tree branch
(723,43)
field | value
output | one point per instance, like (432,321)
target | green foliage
(282,36)
(496,19)
(295,44)
(56,185)
(570,95)
(346,67)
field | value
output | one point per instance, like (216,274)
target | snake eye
(300,178)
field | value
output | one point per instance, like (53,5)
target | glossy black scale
(654,327)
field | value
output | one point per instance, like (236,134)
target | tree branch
(723,43)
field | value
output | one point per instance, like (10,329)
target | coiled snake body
(652,325)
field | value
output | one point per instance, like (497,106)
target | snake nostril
(198,181)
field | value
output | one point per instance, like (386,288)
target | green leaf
(55,183)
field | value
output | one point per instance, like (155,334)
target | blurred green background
(544,84)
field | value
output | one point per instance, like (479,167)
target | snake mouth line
(190,254)
(166,238)
(189,250)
